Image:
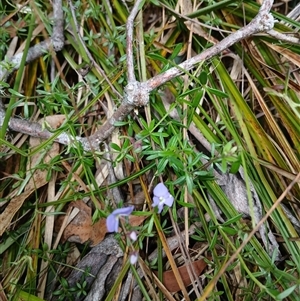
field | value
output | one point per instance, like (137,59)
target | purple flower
(162,197)
(134,257)
(112,221)
(133,236)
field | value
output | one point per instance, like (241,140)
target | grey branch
(129,41)
(13,64)
(56,42)
(135,93)
(284,37)
(263,22)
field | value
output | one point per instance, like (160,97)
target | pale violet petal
(169,200)
(160,190)
(134,257)
(156,201)
(160,207)
(123,211)
(133,236)
(112,223)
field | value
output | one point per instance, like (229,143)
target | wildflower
(112,221)
(134,257)
(162,197)
(133,236)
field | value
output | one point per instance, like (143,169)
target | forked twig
(135,93)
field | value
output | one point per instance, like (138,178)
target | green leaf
(176,163)
(64,282)
(150,225)
(216,92)
(213,241)
(232,220)
(189,183)
(160,134)
(184,204)
(203,78)
(196,99)
(130,158)
(162,165)
(175,52)
(179,180)
(229,230)
(235,166)
(120,123)
(156,56)
(115,146)
(182,96)
(16,93)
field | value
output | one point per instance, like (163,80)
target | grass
(245,102)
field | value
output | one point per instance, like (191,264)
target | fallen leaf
(169,279)
(135,220)
(80,229)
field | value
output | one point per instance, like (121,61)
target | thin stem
(129,41)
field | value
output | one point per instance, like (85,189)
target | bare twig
(13,64)
(57,38)
(284,37)
(35,129)
(129,41)
(137,93)
(263,22)
(56,42)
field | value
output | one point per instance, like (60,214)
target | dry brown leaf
(80,229)
(186,7)
(169,279)
(98,233)
(135,220)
